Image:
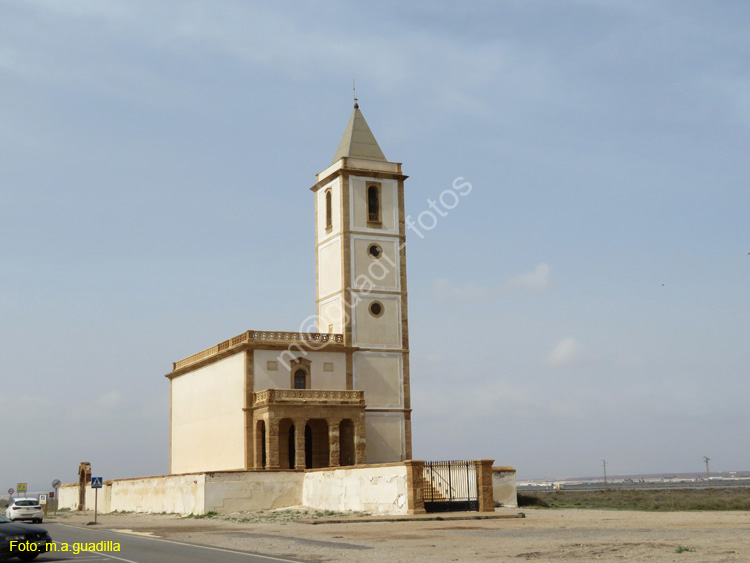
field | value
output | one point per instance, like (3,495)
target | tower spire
(354,91)
(358,141)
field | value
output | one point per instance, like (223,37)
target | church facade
(268,400)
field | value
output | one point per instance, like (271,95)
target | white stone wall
(181,494)
(377,332)
(504,486)
(375,489)
(329,268)
(370,273)
(335,188)
(379,375)
(385,436)
(379,489)
(388,204)
(280,378)
(208,423)
(68,496)
(331,315)
(252,490)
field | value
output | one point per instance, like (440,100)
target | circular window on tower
(375,250)
(376,309)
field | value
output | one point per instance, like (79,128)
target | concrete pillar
(484,485)
(272,445)
(299,443)
(334,442)
(415,487)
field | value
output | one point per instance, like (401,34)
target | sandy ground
(544,535)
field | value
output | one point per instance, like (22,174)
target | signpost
(43,501)
(21,487)
(11,491)
(55,484)
(96,484)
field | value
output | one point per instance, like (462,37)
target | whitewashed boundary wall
(252,490)
(379,489)
(504,486)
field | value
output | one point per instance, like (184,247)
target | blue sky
(587,300)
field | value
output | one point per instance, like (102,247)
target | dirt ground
(544,535)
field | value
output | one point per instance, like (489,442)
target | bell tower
(361,282)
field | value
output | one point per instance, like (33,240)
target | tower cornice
(359,167)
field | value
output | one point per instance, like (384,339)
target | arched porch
(306,429)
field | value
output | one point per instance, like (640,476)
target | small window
(300,379)
(376,309)
(373,204)
(272,366)
(329,211)
(375,250)
(328,366)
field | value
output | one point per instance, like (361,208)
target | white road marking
(134,533)
(269,557)
(97,552)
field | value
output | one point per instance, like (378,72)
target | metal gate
(450,486)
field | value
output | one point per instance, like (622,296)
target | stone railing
(297,396)
(262,337)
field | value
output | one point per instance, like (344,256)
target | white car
(25,509)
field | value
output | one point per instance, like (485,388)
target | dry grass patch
(663,500)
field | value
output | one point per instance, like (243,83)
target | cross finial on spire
(354,91)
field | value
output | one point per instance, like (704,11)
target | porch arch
(316,443)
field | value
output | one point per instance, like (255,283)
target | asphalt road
(136,548)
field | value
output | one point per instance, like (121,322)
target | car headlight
(14,538)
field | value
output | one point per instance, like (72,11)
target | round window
(375,250)
(376,308)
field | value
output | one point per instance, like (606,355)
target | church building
(269,400)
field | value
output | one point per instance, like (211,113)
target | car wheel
(28,556)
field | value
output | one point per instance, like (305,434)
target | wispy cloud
(538,281)
(567,352)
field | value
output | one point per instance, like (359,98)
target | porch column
(272,445)
(334,442)
(258,449)
(360,458)
(299,443)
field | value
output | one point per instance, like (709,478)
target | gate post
(415,486)
(484,485)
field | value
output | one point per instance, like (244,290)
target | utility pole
(708,474)
(604,464)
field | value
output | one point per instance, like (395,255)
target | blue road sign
(96,482)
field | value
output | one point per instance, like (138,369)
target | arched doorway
(317,452)
(84,478)
(346,438)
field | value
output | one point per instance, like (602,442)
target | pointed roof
(358,141)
